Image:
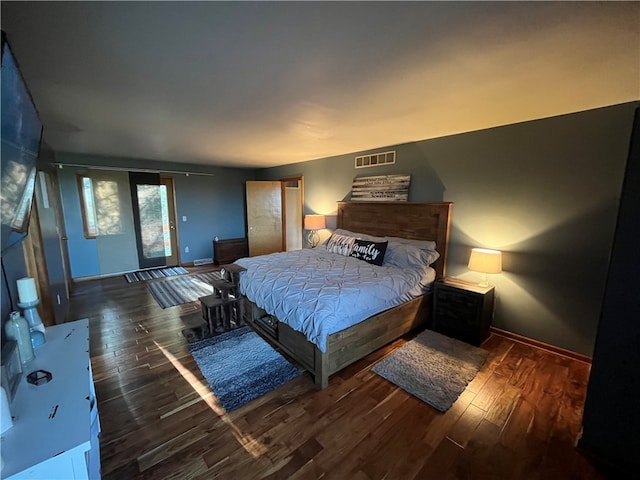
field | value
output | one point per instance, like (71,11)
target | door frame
(283,182)
(141,178)
(168,182)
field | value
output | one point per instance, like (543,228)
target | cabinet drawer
(463,306)
(451,307)
(297,344)
(269,325)
(463,312)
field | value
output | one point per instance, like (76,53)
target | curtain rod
(123,169)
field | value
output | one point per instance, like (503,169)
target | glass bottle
(18,329)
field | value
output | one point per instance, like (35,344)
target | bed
(322,353)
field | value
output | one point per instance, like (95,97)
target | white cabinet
(55,425)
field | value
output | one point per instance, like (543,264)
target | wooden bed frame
(418,221)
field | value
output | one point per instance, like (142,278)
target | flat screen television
(21,136)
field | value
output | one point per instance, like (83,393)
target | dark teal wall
(14,267)
(544,192)
(213,205)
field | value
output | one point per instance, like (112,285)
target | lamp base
(35,322)
(313,239)
(483,280)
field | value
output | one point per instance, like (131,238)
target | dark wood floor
(519,418)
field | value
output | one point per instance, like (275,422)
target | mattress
(318,292)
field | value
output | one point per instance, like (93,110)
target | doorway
(274,215)
(154,218)
(293,207)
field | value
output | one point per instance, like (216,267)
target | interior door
(265,217)
(57,256)
(45,249)
(154,219)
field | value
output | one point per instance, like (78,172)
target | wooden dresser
(230,250)
(55,425)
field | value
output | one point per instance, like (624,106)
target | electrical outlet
(184,218)
(186,249)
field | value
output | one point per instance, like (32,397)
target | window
(100,204)
(85,187)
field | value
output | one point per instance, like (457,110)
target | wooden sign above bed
(381,188)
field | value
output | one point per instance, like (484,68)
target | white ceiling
(263,84)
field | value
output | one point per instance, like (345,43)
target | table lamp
(28,301)
(313,223)
(485,261)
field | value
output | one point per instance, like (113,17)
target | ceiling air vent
(375,159)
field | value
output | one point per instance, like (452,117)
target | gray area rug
(433,367)
(169,292)
(142,275)
(240,366)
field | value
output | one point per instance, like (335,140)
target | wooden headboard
(415,220)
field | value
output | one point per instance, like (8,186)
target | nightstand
(462,309)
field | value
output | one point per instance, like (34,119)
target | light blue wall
(544,192)
(83,253)
(213,205)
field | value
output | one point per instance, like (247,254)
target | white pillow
(405,255)
(340,244)
(421,244)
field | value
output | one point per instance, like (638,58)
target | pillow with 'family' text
(340,244)
(369,251)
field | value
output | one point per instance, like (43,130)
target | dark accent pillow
(371,252)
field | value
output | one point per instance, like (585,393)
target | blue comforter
(319,293)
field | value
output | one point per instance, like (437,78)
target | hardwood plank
(441,463)
(480,459)
(501,409)
(491,390)
(443,422)
(461,431)
(518,438)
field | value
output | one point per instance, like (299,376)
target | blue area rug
(240,366)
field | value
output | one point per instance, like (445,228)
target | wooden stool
(222,289)
(225,304)
(213,312)
(231,274)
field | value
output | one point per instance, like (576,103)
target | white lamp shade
(314,222)
(27,291)
(485,261)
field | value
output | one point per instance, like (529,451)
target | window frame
(85,209)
